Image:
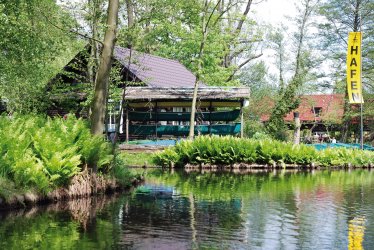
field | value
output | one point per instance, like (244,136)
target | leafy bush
(121,171)
(261,136)
(8,189)
(229,150)
(45,153)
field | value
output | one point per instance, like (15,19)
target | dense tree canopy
(32,49)
(40,37)
(172,29)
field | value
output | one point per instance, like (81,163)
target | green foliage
(45,153)
(286,102)
(32,51)
(252,123)
(261,136)
(173,29)
(231,150)
(339,18)
(218,186)
(304,70)
(8,189)
(121,172)
(138,159)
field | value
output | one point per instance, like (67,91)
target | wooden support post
(241,120)
(156,113)
(127,123)
(210,118)
(296,138)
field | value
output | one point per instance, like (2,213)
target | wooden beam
(187,103)
(220,93)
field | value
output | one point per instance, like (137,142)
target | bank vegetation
(44,158)
(215,150)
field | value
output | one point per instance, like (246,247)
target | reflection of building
(158,97)
(156,192)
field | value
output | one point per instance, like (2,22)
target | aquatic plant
(230,150)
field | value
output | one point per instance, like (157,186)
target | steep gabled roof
(155,71)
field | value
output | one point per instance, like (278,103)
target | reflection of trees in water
(144,210)
(219,214)
(149,214)
(72,224)
(291,207)
(268,210)
(330,204)
(358,204)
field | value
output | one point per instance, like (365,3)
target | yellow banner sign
(354,83)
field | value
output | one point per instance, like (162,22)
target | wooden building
(316,112)
(166,111)
(158,96)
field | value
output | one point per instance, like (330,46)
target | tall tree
(288,100)
(207,15)
(32,49)
(172,29)
(341,17)
(93,17)
(278,43)
(99,102)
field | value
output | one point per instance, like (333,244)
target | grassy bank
(41,154)
(137,159)
(230,150)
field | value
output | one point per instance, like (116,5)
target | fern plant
(46,153)
(229,150)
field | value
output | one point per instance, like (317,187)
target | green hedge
(43,153)
(229,150)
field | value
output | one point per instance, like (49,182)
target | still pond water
(268,210)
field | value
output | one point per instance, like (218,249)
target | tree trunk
(93,60)
(196,87)
(130,20)
(243,17)
(101,84)
(204,32)
(281,79)
(130,13)
(230,56)
(296,137)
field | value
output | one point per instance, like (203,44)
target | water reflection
(72,224)
(264,210)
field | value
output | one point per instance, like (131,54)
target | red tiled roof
(155,71)
(331,105)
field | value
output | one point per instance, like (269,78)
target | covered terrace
(154,112)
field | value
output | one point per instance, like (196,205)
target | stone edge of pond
(246,166)
(81,185)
